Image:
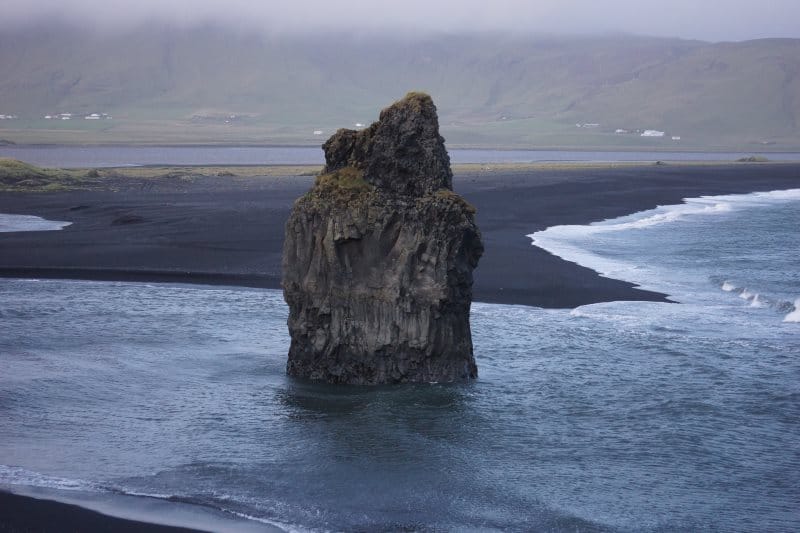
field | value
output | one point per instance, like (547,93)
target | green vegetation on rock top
(348,178)
(451,196)
(416,99)
(341,187)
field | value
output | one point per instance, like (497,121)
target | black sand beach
(230,231)
(26,514)
(223,230)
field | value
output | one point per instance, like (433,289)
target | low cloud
(707,19)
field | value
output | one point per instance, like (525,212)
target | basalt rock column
(378,258)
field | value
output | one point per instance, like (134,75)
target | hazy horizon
(714,20)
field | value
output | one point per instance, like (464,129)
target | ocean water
(624,416)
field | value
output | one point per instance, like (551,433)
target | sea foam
(574,242)
(761,301)
(558,240)
(14,475)
(794,316)
(703,205)
(13,223)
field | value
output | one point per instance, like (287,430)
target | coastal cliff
(378,258)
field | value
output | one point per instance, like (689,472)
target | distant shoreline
(755,148)
(123,156)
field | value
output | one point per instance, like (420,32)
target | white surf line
(16,223)
(558,239)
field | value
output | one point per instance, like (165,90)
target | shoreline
(225,230)
(37,509)
(40,514)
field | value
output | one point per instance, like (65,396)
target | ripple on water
(635,416)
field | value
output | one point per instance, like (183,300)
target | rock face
(378,258)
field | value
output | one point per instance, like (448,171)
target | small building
(676,137)
(317,132)
(652,133)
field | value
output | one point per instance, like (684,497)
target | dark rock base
(380,288)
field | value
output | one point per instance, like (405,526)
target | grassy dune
(20,176)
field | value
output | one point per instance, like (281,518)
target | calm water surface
(117,156)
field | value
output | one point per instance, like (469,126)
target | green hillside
(162,84)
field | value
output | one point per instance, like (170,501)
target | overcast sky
(700,19)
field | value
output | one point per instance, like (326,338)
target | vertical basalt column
(378,258)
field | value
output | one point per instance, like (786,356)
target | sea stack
(378,258)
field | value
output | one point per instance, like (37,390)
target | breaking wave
(794,315)
(762,301)
(754,242)
(704,205)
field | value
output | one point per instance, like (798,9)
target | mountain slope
(167,84)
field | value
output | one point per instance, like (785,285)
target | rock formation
(378,258)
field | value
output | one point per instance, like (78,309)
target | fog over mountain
(710,20)
(509,73)
(214,84)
